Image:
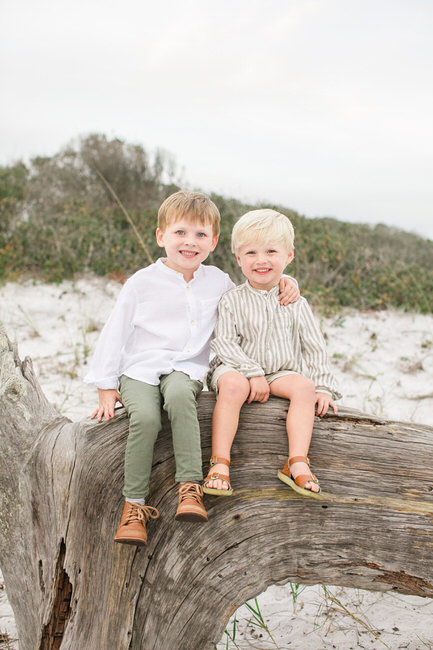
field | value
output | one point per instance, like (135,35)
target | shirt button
(192,322)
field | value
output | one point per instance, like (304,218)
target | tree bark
(72,587)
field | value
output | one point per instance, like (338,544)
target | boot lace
(139,513)
(191,491)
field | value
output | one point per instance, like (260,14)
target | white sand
(384,363)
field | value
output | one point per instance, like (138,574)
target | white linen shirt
(255,335)
(160,323)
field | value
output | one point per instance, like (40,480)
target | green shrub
(59,218)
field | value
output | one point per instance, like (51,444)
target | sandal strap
(215,460)
(215,476)
(303,479)
(299,459)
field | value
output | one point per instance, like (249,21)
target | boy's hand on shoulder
(289,291)
(259,389)
(323,402)
(107,402)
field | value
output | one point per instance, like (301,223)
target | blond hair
(192,206)
(264,225)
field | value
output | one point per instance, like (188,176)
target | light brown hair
(192,206)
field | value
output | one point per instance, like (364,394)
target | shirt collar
(160,263)
(272,292)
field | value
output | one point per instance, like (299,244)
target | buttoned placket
(192,322)
(268,297)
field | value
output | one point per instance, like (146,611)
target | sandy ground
(384,363)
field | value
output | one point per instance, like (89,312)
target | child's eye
(271,250)
(250,253)
(179,232)
(201,234)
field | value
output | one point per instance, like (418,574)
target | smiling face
(187,244)
(263,263)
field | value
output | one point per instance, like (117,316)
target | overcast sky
(323,106)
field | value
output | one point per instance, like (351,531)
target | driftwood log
(72,588)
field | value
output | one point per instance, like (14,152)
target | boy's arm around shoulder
(289,290)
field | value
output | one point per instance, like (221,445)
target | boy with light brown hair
(154,352)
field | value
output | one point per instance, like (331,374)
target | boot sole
(130,540)
(190,516)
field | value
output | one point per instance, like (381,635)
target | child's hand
(107,402)
(289,291)
(259,389)
(323,402)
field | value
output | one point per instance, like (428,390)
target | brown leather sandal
(298,483)
(212,476)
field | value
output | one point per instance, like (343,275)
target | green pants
(177,394)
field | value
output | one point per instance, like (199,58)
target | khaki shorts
(222,369)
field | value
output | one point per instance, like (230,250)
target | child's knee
(233,386)
(179,396)
(305,388)
(145,418)
(309,388)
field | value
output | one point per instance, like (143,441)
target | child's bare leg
(300,418)
(233,391)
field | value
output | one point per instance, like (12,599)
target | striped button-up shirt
(255,335)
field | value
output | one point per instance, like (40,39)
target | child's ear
(239,259)
(160,237)
(290,256)
(214,242)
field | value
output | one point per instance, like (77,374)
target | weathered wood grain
(71,587)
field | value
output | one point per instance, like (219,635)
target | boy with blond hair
(154,352)
(263,348)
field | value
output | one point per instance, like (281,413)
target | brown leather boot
(190,506)
(132,529)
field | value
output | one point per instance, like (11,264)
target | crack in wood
(401,581)
(53,632)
